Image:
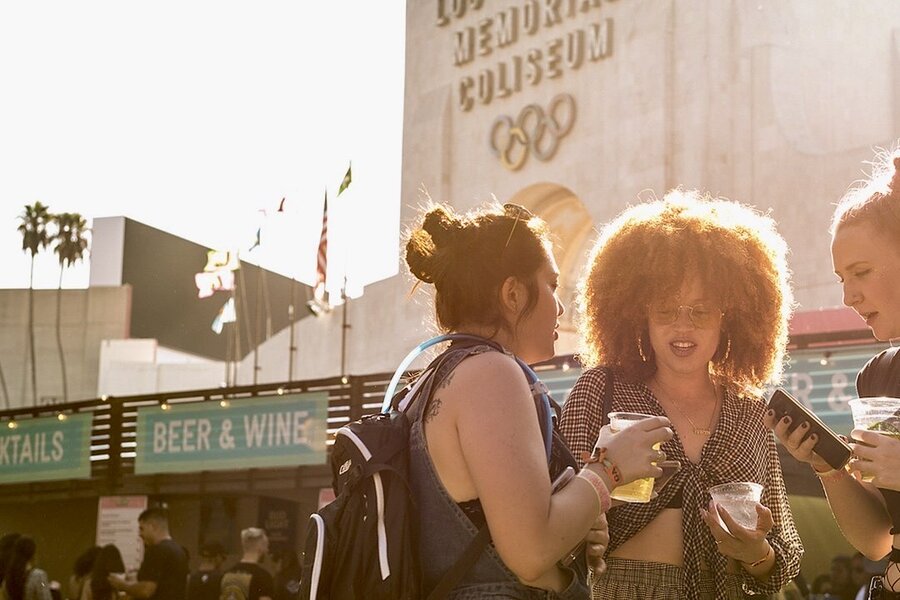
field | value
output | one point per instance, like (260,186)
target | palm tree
(33,227)
(70,244)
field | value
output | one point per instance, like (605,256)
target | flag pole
(345,183)
(291,347)
(228,335)
(344,328)
(231,350)
(257,338)
(244,307)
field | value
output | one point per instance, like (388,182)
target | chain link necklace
(699,431)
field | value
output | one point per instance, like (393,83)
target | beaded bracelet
(599,488)
(599,456)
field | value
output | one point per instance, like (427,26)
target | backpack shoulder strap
(539,391)
(463,564)
(607,395)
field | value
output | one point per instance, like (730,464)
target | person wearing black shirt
(164,570)
(205,581)
(287,574)
(247,579)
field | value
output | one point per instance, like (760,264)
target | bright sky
(191,116)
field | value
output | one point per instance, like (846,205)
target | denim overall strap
(444,529)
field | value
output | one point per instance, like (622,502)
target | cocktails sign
(46,449)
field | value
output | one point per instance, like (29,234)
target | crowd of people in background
(99,573)
(847,579)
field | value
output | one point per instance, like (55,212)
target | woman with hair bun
(865,252)
(685,308)
(477,455)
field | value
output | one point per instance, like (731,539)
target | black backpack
(363,544)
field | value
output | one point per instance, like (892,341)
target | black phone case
(830,447)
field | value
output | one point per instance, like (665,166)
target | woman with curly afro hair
(685,307)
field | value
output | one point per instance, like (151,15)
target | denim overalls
(445,531)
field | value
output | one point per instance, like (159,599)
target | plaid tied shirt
(740,449)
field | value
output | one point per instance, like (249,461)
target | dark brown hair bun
(425,244)
(467,257)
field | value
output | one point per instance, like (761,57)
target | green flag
(346,181)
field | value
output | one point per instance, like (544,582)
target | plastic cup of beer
(739,501)
(880,414)
(638,490)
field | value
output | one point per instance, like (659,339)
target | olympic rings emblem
(532,132)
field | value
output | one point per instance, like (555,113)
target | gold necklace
(697,430)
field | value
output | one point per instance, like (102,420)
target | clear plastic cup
(880,414)
(739,500)
(639,490)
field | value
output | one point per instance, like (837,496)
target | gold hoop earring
(641,349)
(727,350)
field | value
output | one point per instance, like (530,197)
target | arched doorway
(574,233)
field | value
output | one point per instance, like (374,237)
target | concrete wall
(773,103)
(86,318)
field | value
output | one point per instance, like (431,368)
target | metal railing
(114,418)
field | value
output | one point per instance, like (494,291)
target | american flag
(322,259)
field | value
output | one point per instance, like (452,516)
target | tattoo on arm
(434,407)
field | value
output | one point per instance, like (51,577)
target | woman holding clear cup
(685,306)
(865,251)
(477,455)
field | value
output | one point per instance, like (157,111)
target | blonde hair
(875,200)
(251,537)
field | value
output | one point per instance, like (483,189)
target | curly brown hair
(468,257)
(645,254)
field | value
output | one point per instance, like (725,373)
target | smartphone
(830,446)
